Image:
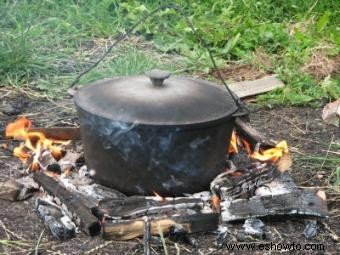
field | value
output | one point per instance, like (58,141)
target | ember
(34,143)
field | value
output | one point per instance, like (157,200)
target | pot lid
(156,99)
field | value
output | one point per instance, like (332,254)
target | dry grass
(237,73)
(262,59)
(320,65)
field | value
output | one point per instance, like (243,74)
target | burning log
(34,145)
(129,229)
(251,135)
(59,133)
(236,184)
(79,206)
(163,214)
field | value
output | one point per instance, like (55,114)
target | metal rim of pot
(205,112)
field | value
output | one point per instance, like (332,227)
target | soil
(302,127)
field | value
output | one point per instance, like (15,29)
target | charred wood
(129,229)
(134,207)
(9,190)
(78,205)
(237,184)
(178,233)
(301,202)
(251,135)
(60,225)
(13,190)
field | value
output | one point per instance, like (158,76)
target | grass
(329,163)
(45,44)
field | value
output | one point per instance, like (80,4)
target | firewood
(13,190)
(226,185)
(59,133)
(60,225)
(133,207)
(129,229)
(75,203)
(301,202)
(251,135)
(9,190)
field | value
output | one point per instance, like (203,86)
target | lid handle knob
(157,76)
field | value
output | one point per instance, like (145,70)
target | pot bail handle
(157,76)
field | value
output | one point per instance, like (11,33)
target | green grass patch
(47,43)
(329,162)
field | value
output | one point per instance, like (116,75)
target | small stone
(223,236)
(331,113)
(320,176)
(311,229)
(254,228)
(178,233)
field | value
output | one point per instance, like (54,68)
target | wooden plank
(129,229)
(250,88)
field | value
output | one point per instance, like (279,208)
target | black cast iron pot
(155,133)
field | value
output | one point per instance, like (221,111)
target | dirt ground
(301,127)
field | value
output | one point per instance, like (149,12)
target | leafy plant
(38,36)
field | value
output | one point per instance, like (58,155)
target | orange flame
(34,142)
(272,154)
(216,203)
(158,196)
(233,146)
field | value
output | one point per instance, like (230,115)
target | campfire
(35,146)
(255,184)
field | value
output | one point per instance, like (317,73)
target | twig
(9,231)
(329,147)
(61,106)
(97,248)
(278,233)
(9,92)
(332,152)
(162,239)
(178,249)
(334,236)
(38,242)
(146,238)
(288,121)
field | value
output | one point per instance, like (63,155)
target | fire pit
(255,184)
